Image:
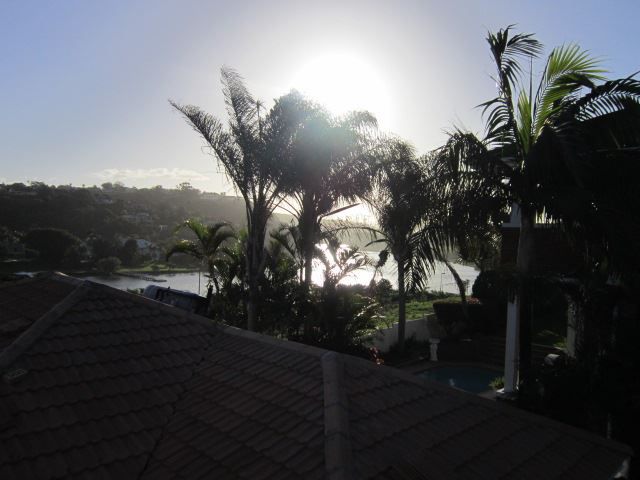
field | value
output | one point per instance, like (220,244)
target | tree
(108,265)
(250,152)
(289,239)
(51,243)
(409,220)
(207,248)
(328,165)
(101,247)
(128,252)
(552,153)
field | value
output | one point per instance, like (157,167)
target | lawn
(416,308)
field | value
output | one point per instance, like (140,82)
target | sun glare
(344,82)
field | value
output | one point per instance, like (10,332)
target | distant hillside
(114,210)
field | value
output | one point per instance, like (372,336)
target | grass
(416,308)
(550,338)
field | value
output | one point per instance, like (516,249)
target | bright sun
(344,82)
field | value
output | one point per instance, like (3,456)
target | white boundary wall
(418,328)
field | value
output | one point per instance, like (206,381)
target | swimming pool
(465,377)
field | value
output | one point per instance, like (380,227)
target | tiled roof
(24,301)
(105,384)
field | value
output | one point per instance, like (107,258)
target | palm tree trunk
(252,308)
(462,288)
(306,223)
(307,232)
(255,266)
(524,265)
(402,316)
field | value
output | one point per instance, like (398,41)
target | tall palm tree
(208,246)
(288,237)
(544,149)
(328,165)
(409,220)
(250,151)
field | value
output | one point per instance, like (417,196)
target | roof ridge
(29,336)
(208,322)
(22,281)
(50,275)
(337,439)
(279,342)
(63,277)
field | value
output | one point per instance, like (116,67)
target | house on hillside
(137,218)
(147,248)
(100,383)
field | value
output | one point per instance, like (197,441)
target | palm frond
(186,247)
(568,69)
(508,50)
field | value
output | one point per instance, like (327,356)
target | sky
(84,85)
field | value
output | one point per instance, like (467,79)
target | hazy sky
(84,84)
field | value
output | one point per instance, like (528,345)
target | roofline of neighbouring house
(333,370)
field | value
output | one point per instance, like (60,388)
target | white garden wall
(418,328)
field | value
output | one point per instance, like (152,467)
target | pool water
(468,378)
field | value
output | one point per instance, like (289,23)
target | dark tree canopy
(51,243)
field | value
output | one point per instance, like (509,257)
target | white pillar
(572,327)
(511,350)
(512,339)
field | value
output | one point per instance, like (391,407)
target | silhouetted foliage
(52,244)
(128,253)
(250,152)
(406,203)
(108,265)
(561,150)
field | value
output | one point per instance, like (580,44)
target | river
(441,280)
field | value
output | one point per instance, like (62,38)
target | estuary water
(441,280)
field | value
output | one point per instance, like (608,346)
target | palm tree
(339,261)
(409,219)
(208,246)
(250,151)
(328,166)
(288,238)
(544,151)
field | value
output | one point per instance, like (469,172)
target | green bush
(413,350)
(497,383)
(452,318)
(108,265)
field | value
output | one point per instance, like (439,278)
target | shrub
(453,320)
(108,265)
(497,383)
(413,349)
(382,291)
(342,318)
(51,243)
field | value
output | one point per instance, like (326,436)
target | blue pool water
(470,379)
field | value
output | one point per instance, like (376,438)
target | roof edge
(337,439)
(502,406)
(35,331)
(208,322)
(279,342)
